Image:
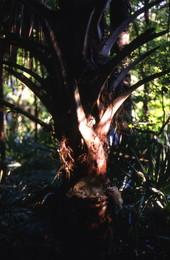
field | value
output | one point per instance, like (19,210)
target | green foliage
(140,167)
(23,228)
(30,207)
(151,102)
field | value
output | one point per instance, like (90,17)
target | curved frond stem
(22,68)
(19,110)
(35,50)
(40,5)
(86,37)
(112,64)
(105,122)
(163,126)
(113,37)
(131,66)
(93,23)
(92,140)
(40,93)
(50,36)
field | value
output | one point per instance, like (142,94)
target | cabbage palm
(74,71)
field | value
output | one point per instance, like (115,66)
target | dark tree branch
(39,5)
(57,61)
(22,68)
(105,122)
(19,110)
(50,35)
(36,51)
(136,43)
(131,66)
(163,126)
(15,37)
(57,109)
(128,68)
(93,25)
(112,64)
(39,92)
(148,79)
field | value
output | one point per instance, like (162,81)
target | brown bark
(96,155)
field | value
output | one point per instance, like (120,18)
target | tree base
(88,221)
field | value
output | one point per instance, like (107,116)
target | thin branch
(156,134)
(126,70)
(145,131)
(59,55)
(19,110)
(58,65)
(54,107)
(153,132)
(41,5)
(14,37)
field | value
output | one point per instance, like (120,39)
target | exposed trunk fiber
(90,204)
(96,155)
